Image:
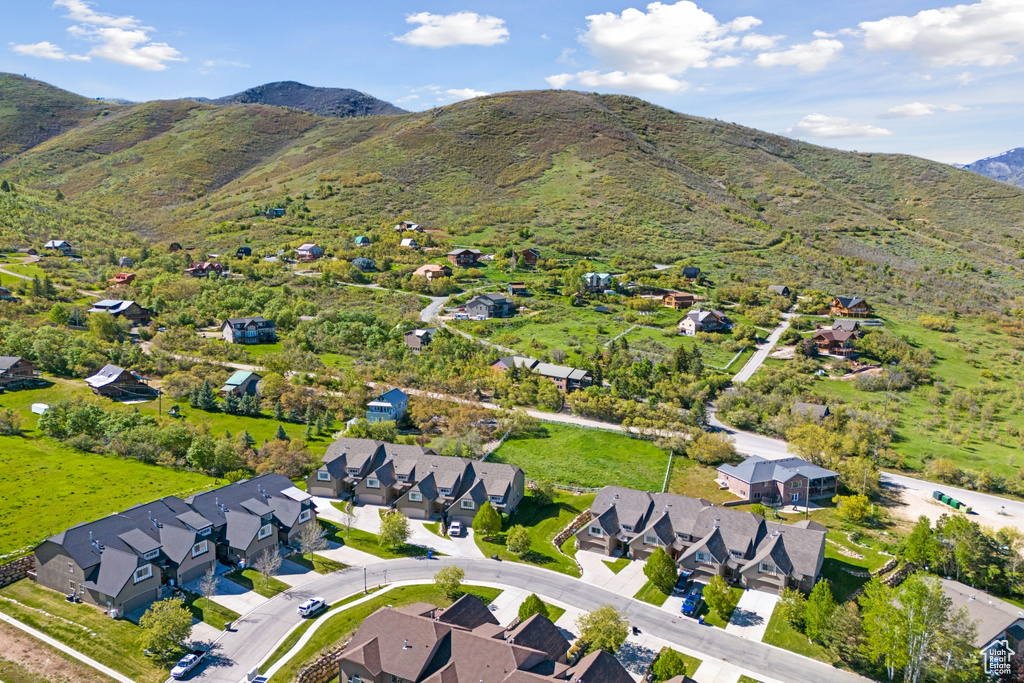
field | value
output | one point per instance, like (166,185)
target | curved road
(759,357)
(256,634)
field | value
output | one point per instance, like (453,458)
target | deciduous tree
(165,626)
(668,665)
(394,530)
(605,628)
(518,540)
(449,581)
(661,569)
(487,521)
(532,605)
(267,564)
(718,596)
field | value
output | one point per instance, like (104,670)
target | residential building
(253,330)
(994,619)
(273,213)
(741,547)
(849,307)
(61,246)
(835,342)
(130,559)
(408,226)
(309,252)
(518,289)
(691,273)
(465,644)
(464,258)
(123,278)
(346,463)
(126,262)
(566,378)
(17,372)
(430,271)
(409,243)
(117,383)
(781,290)
(529,255)
(28,250)
(129,310)
(490,305)
(702,321)
(205,269)
(364,264)
(242,252)
(241,383)
(391,405)
(597,282)
(846,325)
(5,295)
(789,481)
(678,300)
(419,339)
(812,411)
(362,241)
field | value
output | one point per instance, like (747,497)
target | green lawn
(48,487)
(254,581)
(573,456)
(115,643)
(367,542)
(554,613)
(319,564)
(781,634)
(711,617)
(544,523)
(691,662)
(651,594)
(617,565)
(434,528)
(209,611)
(346,621)
(747,679)
(690,478)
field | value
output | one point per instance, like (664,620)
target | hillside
(339,102)
(32,111)
(1007,167)
(578,174)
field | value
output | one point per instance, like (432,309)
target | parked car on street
(311,607)
(694,600)
(186,664)
(455,529)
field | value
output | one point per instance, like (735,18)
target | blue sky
(924,77)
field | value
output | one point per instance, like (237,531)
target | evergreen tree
(661,570)
(310,416)
(49,290)
(294,415)
(280,434)
(203,397)
(681,359)
(696,365)
(37,286)
(59,196)
(278,411)
(5,186)
(307,434)
(532,605)
(245,438)
(231,404)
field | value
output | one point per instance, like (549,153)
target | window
(766,567)
(304,516)
(403,477)
(205,531)
(627,527)
(353,470)
(373,483)
(594,531)
(794,497)
(151,555)
(683,537)
(795,484)
(650,539)
(354,678)
(323,476)
(71,585)
(736,553)
(445,492)
(704,556)
(143,573)
(263,533)
(757,496)
(200,548)
(415,496)
(496,499)
(71,568)
(467,505)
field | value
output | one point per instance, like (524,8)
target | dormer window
(445,492)
(151,555)
(650,539)
(323,476)
(496,499)
(627,527)
(206,531)
(353,470)
(373,483)
(683,537)
(403,477)
(304,516)
(736,553)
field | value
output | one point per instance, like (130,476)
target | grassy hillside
(322,101)
(32,111)
(578,174)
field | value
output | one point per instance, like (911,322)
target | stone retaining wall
(324,668)
(574,526)
(15,571)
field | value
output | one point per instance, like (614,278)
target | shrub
(937,323)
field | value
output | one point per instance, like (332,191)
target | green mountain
(605,176)
(322,101)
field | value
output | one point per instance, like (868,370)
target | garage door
(194,573)
(369,499)
(138,601)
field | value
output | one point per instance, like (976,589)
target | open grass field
(573,456)
(348,620)
(115,643)
(690,478)
(23,659)
(975,417)
(543,523)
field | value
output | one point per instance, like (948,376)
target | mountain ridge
(337,102)
(1007,166)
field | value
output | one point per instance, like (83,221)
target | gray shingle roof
(8,362)
(756,470)
(991,615)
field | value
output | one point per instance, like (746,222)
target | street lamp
(364,582)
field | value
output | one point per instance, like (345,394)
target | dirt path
(22,657)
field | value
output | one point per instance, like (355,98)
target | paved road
(748,443)
(759,357)
(258,633)
(431,311)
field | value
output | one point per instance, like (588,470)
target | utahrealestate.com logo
(997,658)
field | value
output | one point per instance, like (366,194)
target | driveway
(763,351)
(294,574)
(753,611)
(597,573)
(230,594)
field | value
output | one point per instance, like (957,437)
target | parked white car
(186,664)
(455,529)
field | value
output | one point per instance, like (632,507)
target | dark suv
(683,582)
(694,600)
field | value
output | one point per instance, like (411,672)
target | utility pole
(364,581)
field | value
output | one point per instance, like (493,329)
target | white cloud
(824,34)
(822,126)
(650,49)
(566,56)
(986,33)
(120,39)
(43,50)
(966,78)
(460,28)
(755,41)
(808,57)
(464,93)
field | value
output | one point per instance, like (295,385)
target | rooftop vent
(406,646)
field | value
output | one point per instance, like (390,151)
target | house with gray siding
(789,481)
(391,405)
